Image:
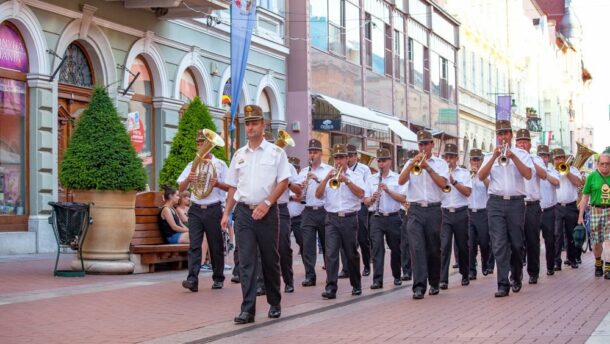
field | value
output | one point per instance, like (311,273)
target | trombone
(503,159)
(334,182)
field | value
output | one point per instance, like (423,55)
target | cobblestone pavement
(36,307)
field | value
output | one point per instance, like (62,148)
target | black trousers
(342,232)
(424,231)
(285,246)
(205,222)
(533,215)
(364,238)
(547,223)
(388,226)
(565,221)
(454,225)
(478,237)
(405,255)
(506,219)
(254,236)
(312,225)
(295,227)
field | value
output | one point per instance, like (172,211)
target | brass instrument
(366,158)
(304,200)
(473,173)
(376,213)
(564,167)
(284,139)
(204,168)
(583,154)
(447,187)
(503,159)
(334,182)
(416,169)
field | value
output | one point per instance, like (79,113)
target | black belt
(601,206)
(425,204)
(207,206)
(567,204)
(282,205)
(385,214)
(507,198)
(531,202)
(313,208)
(455,210)
(344,214)
(473,210)
(548,208)
(251,206)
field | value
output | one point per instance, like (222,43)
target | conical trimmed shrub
(100,155)
(197,116)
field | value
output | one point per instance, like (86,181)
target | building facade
(371,72)
(152,61)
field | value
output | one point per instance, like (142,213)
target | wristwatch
(454,182)
(348,182)
(267,202)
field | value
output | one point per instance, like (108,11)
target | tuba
(204,168)
(284,139)
(583,153)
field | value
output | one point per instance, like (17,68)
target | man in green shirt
(596,192)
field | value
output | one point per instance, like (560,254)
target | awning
(408,138)
(356,115)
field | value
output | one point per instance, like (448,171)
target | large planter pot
(106,246)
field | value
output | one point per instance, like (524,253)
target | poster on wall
(136,130)
(12,50)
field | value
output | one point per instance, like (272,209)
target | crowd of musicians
(494,211)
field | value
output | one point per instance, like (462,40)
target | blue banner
(503,108)
(243,17)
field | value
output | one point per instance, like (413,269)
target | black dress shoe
(472,277)
(485,272)
(567,262)
(366,272)
(190,285)
(308,283)
(289,288)
(490,271)
(376,285)
(406,277)
(217,285)
(574,265)
(418,295)
(465,281)
(501,293)
(433,291)
(260,292)
(244,318)
(557,267)
(342,274)
(516,286)
(455,266)
(607,275)
(578,261)
(443,285)
(329,295)
(533,280)
(550,272)
(599,271)
(356,291)
(235,279)
(397,281)
(275,312)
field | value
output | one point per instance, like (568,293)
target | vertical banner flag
(503,110)
(546,138)
(243,17)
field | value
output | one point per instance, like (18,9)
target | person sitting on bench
(173,230)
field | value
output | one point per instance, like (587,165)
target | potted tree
(102,168)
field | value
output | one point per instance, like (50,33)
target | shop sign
(136,130)
(12,50)
(326,124)
(447,116)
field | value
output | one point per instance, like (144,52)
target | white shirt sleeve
(232,174)
(283,167)
(464,178)
(441,168)
(185,173)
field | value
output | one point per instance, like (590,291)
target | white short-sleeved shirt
(217,194)
(478,195)
(532,186)
(422,188)
(364,170)
(567,192)
(255,173)
(343,199)
(386,203)
(310,194)
(548,192)
(295,208)
(285,197)
(454,198)
(506,180)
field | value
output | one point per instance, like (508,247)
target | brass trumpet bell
(284,139)
(446,188)
(334,182)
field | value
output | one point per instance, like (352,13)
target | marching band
(498,206)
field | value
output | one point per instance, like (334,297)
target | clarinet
(379,190)
(304,200)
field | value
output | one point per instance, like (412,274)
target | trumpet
(503,159)
(416,169)
(334,182)
(447,187)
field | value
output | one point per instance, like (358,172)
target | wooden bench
(148,246)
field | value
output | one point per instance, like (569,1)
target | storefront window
(140,118)
(13,95)
(76,70)
(318,22)
(188,86)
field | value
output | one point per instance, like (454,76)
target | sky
(593,15)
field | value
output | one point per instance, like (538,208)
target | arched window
(140,121)
(188,86)
(265,105)
(13,111)
(76,70)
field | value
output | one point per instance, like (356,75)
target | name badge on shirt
(241,163)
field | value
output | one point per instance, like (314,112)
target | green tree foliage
(197,116)
(100,155)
